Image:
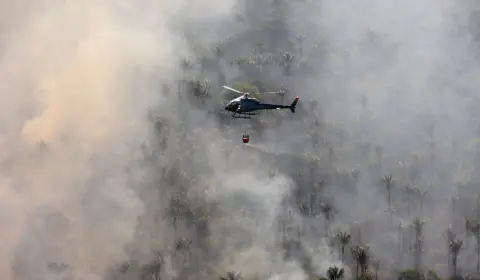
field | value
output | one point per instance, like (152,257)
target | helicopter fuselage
(243,105)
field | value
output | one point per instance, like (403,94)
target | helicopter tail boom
(294,104)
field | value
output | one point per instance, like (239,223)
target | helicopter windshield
(249,97)
(232,105)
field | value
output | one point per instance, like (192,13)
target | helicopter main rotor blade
(234,90)
(272,92)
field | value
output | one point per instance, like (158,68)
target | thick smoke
(76,78)
(101,140)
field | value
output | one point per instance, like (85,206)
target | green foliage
(365,277)
(231,275)
(411,274)
(335,273)
(361,254)
(343,238)
(432,275)
(199,88)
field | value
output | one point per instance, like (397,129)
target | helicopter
(243,106)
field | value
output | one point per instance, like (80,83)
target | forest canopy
(373,177)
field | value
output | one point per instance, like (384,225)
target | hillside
(119,162)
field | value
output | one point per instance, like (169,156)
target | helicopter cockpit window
(235,105)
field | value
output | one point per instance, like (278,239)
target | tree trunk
(421,206)
(363,269)
(409,206)
(477,235)
(400,245)
(478,253)
(449,261)
(389,194)
(313,203)
(417,253)
(326,228)
(288,69)
(454,266)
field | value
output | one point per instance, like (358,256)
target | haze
(101,141)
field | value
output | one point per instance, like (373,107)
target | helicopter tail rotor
(294,104)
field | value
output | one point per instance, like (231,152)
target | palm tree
(468,233)
(315,194)
(391,213)
(182,245)
(417,225)
(475,231)
(231,275)
(174,210)
(376,264)
(335,273)
(450,235)
(343,239)
(401,239)
(299,39)
(332,158)
(453,207)
(389,183)
(286,62)
(421,196)
(332,242)
(361,255)
(327,211)
(409,190)
(200,89)
(186,65)
(205,64)
(238,62)
(200,215)
(154,267)
(218,51)
(455,246)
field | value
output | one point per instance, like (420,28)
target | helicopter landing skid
(247,116)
